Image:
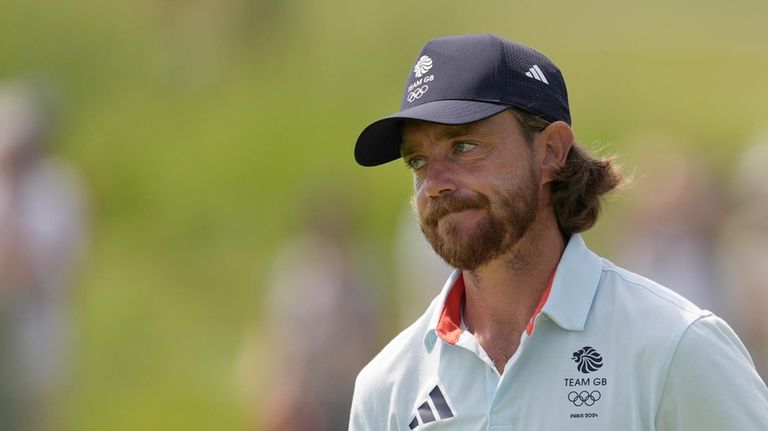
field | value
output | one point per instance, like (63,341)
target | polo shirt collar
(442,305)
(574,286)
(570,296)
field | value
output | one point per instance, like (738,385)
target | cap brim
(380,142)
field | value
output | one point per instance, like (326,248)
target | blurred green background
(199,126)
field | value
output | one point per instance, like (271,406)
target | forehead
(416,133)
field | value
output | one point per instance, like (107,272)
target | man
(532,331)
(43,235)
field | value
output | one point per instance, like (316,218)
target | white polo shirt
(609,350)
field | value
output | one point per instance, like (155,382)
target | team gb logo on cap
(419,86)
(422,66)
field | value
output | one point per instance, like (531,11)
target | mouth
(453,208)
(469,216)
(459,213)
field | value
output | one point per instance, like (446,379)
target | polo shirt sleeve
(363,410)
(712,384)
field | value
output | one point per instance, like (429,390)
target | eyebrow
(459,130)
(449,133)
(406,150)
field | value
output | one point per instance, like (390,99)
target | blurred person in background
(42,230)
(319,324)
(418,268)
(744,251)
(671,231)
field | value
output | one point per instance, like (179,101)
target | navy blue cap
(461,79)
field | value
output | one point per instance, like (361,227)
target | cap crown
(486,68)
(463,79)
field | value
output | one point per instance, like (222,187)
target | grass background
(198,125)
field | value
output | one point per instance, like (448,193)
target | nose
(439,179)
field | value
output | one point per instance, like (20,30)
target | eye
(416,163)
(464,147)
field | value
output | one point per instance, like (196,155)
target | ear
(556,140)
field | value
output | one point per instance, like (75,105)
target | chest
(567,383)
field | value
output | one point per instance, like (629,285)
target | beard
(504,225)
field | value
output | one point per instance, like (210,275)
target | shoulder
(397,364)
(628,306)
(706,378)
(711,383)
(386,389)
(394,359)
(645,299)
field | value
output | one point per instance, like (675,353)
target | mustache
(438,208)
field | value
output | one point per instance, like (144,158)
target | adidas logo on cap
(536,73)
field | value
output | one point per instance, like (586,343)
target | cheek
(418,202)
(421,202)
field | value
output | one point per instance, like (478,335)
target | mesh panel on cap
(519,58)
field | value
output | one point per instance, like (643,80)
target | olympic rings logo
(417,93)
(584,398)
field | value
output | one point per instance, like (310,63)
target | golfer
(532,331)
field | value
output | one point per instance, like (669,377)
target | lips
(461,215)
(442,207)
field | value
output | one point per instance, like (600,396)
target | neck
(502,295)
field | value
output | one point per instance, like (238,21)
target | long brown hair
(578,188)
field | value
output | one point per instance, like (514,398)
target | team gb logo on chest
(587,359)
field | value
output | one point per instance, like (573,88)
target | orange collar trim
(542,301)
(449,324)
